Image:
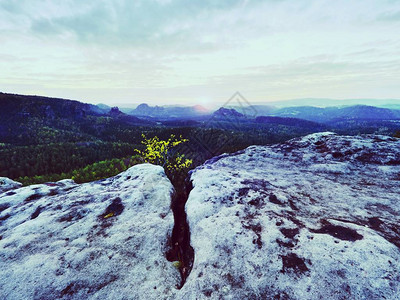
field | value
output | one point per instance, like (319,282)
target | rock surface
(7,184)
(100,240)
(313,218)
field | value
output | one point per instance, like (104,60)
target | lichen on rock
(99,240)
(313,218)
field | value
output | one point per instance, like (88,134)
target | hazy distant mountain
(392,106)
(329,114)
(291,122)
(103,107)
(325,102)
(263,110)
(227,113)
(168,112)
(319,114)
(117,114)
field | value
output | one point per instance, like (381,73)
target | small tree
(176,166)
(163,153)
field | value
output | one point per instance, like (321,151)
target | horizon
(176,53)
(312,102)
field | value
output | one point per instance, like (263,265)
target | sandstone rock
(313,218)
(7,184)
(100,240)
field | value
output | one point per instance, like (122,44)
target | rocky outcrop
(313,218)
(100,240)
(7,184)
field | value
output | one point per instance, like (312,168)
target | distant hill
(16,106)
(330,114)
(35,119)
(314,114)
(227,113)
(103,107)
(117,114)
(291,122)
(326,102)
(168,112)
(27,120)
(263,110)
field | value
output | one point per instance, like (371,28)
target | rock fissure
(180,249)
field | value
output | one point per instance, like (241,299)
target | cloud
(128,23)
(389,17)
(162,47)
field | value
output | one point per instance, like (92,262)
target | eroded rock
(314,218)
(7,184)
(100,240)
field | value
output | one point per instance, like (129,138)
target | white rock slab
(313,218)
(100,240)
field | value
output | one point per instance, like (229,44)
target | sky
(200,51)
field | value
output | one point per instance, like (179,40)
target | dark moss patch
(89,288)
(235,281)
(74,215)
(375,223)
(243,192)
(394,162)
(321,147)
(287,148)
(80,203)
(257,230)
(339,232)
(337,155)
(285,244)
(257,202)
(70,289)
(33,197)
(281,296)
(289,233)
(257,184)
(367,157)
(292,205)
(53,192)
(4,206)
(292,217)
(36,213)
(273,199)
(115,208)
(5,217)
(292,262)
(393,235)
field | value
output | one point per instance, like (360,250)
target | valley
(47,139)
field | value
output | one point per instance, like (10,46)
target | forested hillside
(46,139)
